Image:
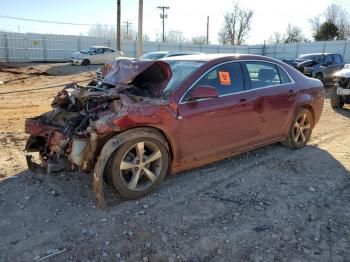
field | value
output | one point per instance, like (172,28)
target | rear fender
(306,101)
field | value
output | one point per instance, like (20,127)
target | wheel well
(310,108)
(162,133)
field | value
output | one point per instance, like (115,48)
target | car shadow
(270,195)
(345,111)
(71,182)
(69,69)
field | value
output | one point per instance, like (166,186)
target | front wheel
(85,62)
(300,130)
(139,166)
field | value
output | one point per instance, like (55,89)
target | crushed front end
(83,118)
(70,135)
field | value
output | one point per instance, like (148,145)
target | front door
(216,126)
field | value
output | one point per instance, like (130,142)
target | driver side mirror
(204,91)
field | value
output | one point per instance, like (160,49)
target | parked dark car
(341,91)
(318,65)
(150,118)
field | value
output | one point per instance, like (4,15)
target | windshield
(181,70)
(87,50)
(152,56)
(317,58)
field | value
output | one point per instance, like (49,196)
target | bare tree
(175,37)
(333,15)
(293,34)
(315,23)
(199,40)
(338,16)
(276,38)
(102,31)
(236,26)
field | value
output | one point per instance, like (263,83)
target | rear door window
(226,78)
(337,59)
(328,60)
(108,51)
(263,74)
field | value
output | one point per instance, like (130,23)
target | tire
(85,62)
(336,100)
(319,77)
(123,177)
(300,130)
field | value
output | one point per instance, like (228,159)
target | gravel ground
(272,204)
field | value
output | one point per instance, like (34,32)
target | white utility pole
(139,30)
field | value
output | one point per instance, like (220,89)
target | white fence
(20,47)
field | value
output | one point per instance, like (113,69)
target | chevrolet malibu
(147,119)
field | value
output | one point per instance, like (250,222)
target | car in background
(319,65)
(147,56)
(164,54)
(340,94)
(94,55)
(148,118)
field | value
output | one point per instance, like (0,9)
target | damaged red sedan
(150,118)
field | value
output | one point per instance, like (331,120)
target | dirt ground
(272,204)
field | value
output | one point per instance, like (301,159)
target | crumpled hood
(124,71)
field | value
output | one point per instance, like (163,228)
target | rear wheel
(300,130)
(336,100)
(85,62)
(139,166)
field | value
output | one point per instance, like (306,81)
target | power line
(48,22)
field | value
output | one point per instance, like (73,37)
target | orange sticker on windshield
(224,78)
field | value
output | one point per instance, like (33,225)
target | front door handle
(242,102)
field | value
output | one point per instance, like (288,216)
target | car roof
(171,52)
(209,57)
(319,54)
(101,46)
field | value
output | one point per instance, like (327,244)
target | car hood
(124,70)
(345,72)
(297,63)
(78,55)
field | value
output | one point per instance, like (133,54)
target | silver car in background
(94,55)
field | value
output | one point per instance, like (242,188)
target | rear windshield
(181,70)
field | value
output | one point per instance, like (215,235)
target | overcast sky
(188,16)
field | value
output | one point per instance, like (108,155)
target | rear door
(109,54)
(212,127)
(338,62)
(97,57)
(274,98)
(330,67)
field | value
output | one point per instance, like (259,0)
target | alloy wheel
(141,166)
(302,129)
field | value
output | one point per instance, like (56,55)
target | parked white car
(94,55)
